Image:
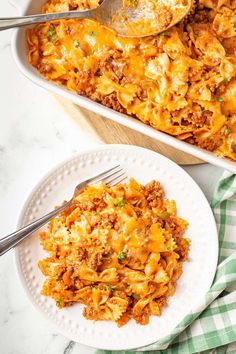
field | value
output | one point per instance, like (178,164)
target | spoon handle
(12,22)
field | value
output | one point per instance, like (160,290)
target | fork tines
(111,177)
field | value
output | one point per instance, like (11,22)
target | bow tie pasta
(118,250)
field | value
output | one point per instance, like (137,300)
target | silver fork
(111,177)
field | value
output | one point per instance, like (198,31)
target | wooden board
(106,131)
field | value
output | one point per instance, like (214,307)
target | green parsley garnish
(120,289)
(136,296)
(110,288)
(119,202)
(186,241)
(58,302)
(227,131)
(219,99)
(92,33)
(170,245)
(164,34)
(233,145)
(52,33)
(226,80)
(121,256)
(76,43)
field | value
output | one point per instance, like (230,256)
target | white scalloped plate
(198,272)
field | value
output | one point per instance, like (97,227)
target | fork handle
(7,242)
(11,22)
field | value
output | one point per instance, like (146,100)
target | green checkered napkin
(211,328)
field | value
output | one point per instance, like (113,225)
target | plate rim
(52,170)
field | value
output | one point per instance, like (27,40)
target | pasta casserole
(181,82)
(118,250)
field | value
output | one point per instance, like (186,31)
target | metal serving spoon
(112,13)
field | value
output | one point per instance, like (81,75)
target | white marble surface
(36,134)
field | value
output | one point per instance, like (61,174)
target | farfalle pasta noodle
(118,250)
(181,82)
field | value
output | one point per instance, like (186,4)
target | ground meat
(161,301)
(112,63)
(108,220)
(88,91)
(213,87)
(199,13)
(201,118)
(138,211)
(209,144)
(142,317)
(173,227)
(87,205)
(112,102)
(153,187)
(153,192)
(84,83)
(99,203)
(82,254)
(96,204)
(230,45)
(45,68)
(182,252)
(90,313)
(95,259)
(73,5)
(202,16)
(141,93)
(126,80)
(105,66)
(78,283)
(197,118)
(69,30)
(207,117)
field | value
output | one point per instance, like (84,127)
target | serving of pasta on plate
(181,82)
(118,250)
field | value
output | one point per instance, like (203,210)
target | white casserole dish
(19,50)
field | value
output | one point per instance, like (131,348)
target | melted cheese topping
(181,82)
(117,250)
